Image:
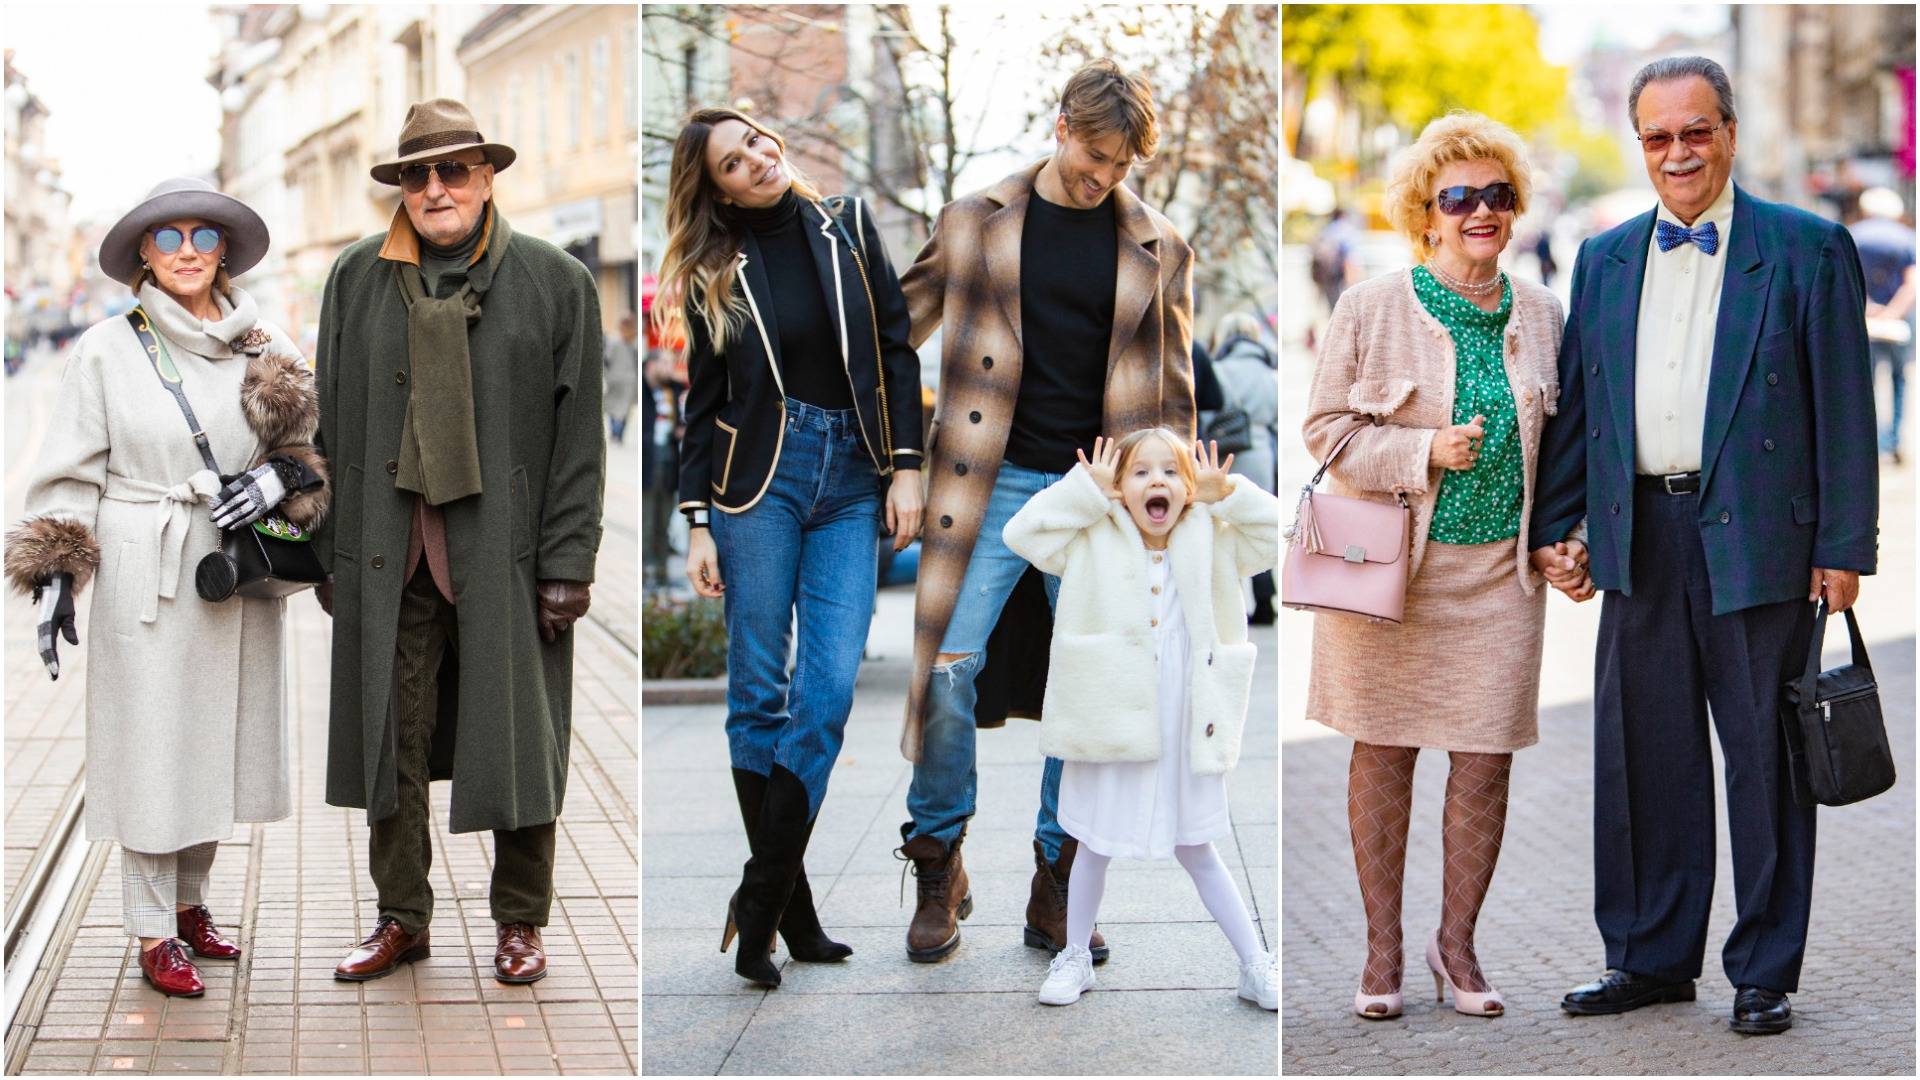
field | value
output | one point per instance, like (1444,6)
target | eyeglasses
(1657,142)
(1459,200)
(453,174)
(168,239)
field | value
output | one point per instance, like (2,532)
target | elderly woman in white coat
(1149,673)
(186,726)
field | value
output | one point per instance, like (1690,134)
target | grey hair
(1681,67)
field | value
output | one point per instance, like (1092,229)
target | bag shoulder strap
(144,330)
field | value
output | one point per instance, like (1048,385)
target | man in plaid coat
(1068,309)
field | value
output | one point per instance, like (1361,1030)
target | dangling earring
(144,266)
(1433,239)
(223,260)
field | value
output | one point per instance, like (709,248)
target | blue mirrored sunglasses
(168,239)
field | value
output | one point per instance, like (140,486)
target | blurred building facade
(559,85)
(40,266)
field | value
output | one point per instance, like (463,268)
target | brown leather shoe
(383,951)
(1047,903)
(197,930)
(169,971)
(944,898)
(518,958)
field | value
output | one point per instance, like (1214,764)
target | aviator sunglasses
(453,174)
(1460,199)
(168,239)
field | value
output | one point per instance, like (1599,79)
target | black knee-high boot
(777,841)
(800,924)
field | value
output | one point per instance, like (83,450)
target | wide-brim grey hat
(433,129)
(185,197)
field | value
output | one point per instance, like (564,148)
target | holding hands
(1564,565)
(1457,446)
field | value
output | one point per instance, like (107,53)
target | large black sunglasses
(453,174)
(1460,199)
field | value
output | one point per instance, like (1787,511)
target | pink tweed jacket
(1387,367)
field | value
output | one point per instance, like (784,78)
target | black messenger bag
(1837,749)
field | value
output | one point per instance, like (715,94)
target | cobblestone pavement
(296,894)
(1165,1003)
(1854,1013)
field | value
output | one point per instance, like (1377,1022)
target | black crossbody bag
(267,560)
(1837,749)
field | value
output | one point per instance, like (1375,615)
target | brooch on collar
(253,341)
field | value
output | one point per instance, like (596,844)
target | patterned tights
(1379,804)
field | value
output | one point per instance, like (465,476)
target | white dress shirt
(1679,306)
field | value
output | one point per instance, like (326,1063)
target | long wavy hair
(698,267)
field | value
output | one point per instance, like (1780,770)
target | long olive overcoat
(505,701)
(967,279)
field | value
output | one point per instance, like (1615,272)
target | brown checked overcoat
(967,279)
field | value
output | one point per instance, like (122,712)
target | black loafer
(1759,1011)
(1622,991)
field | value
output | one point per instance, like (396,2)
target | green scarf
(439,452)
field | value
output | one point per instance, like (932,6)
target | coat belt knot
(172,520)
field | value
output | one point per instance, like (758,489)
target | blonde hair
(1235,324)
(1101,99)
(1457,136)
(699,265)
(1131,442)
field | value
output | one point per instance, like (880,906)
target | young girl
(1150,671)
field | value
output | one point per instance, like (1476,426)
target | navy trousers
(1663,659)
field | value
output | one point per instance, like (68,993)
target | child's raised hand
(1105,464)
(1211,481)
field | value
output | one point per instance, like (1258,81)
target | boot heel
(966,906)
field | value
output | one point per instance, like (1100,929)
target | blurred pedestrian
(1431,387)
(660,433)
(186,702)
(1886,244)
(1543,252)
(1333,267)
(461,390)
(1249,379)
(1715,436)
(802,438)
(621,367)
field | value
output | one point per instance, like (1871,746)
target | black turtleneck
(810,365)
(451,261)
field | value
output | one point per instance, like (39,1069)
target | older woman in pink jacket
(1447,371)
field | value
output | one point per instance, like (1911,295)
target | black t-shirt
(1066,320)
(810,364)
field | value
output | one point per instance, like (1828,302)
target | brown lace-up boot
(1047,903)
(944,898)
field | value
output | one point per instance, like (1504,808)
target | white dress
(1143,809)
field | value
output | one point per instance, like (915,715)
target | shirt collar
(403,242)
(1720,211)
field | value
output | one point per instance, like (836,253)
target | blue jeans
(805,549)
(1895,355)
(941,797)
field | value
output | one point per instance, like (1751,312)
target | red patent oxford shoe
(166,967)
(197,930)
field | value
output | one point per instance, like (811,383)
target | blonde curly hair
(1457,136)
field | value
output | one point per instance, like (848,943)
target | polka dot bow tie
(1670,236)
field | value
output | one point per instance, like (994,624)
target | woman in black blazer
(802,438)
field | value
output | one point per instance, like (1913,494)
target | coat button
(987,362)
(1156,590)
(1596,433)
(1594,370)
(1153,622)
(960,468)
(974,416)
(1725,517)
(946,521)
(400,377)
(1773,378)
(1209,730)
(377,561)
(1767,444)
(393,468)
(1615,508)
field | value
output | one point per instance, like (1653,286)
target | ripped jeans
(945,782)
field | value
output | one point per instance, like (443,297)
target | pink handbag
(1344,555)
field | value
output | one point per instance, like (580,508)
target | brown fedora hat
(433,130)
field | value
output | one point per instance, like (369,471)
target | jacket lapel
(759,290)
(1136,271)
(1002,247)
(823,242)
(1743,301)
(1626,271)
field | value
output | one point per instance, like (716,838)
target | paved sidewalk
(296,894)
(1165,1003)
(1854,1012)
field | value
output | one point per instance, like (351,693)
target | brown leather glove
(561,602)
(323,592)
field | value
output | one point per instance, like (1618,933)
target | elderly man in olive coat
(460,386)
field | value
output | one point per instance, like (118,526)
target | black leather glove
(561,603)
(54,594)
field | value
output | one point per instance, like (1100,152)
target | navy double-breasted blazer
(1789,458)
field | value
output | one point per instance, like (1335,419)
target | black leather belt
(1680,483)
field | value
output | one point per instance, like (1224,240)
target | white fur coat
(1101,703)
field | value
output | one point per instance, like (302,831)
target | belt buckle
(1667,482)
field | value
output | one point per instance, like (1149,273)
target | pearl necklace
(1470,288)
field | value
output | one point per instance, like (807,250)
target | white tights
(1211,878)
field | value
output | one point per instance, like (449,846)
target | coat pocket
(726,467)
(346,514)
(1222,685)
(522,513)
(1379,398)
(1805,512)
(1101,698)
(123,600)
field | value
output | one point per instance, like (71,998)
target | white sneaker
(1069,976)
(1260,981)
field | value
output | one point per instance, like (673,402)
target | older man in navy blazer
(1714,449)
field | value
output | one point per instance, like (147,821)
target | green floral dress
(1481,504)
